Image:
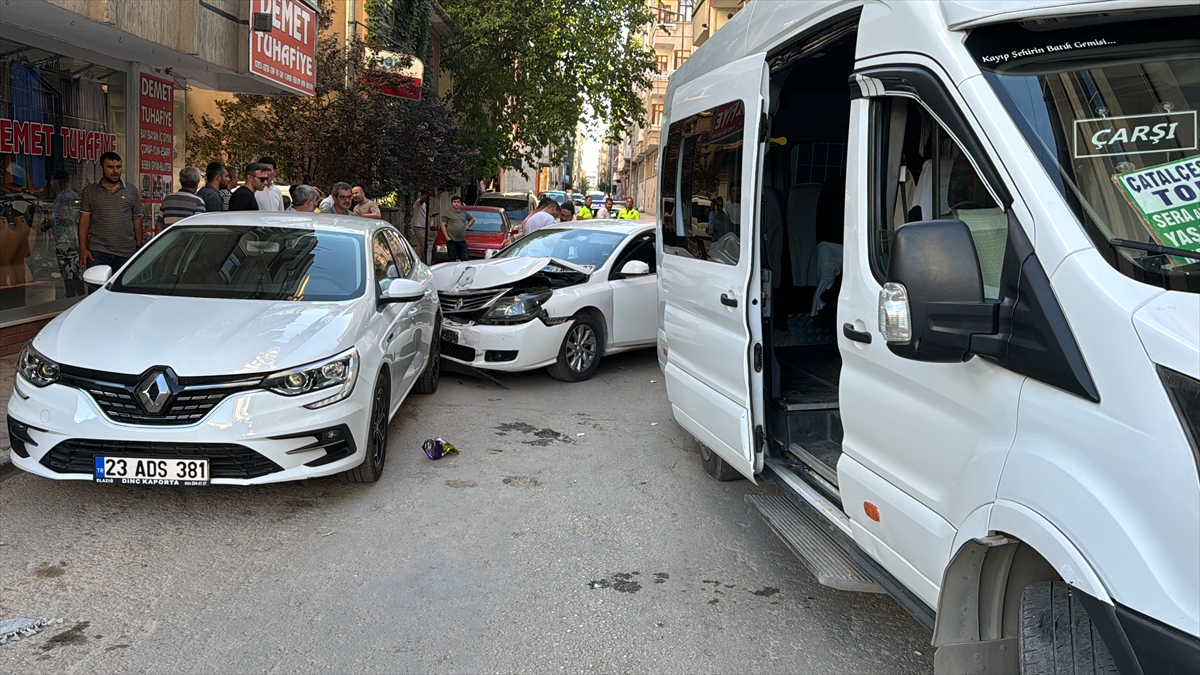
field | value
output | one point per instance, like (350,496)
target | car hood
(495,272)
(1169,326)
(486,239)
(129,333)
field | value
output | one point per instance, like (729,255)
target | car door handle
(728,301)
(856,335)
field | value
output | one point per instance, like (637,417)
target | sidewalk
(8,372)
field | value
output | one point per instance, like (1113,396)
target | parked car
(962,331)
(560,298)
(518,205)
(235,348)
(492,231)
(597,197)
(556,195)
(577,198)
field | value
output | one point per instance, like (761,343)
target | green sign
(1167,197)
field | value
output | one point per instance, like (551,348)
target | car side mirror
(98,275)
(491,252)
(404,290)
(635,268)
(933,300)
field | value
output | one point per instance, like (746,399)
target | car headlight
(1184,393)
(441,248)
(336,374)
(518,308)
(37,369)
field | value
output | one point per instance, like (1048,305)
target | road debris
(15,629)
(436,448)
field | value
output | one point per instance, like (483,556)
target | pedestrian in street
(227,182)
(243,198)
(64,224)
(342,200)
(270,198)
(214,177)
(187,202)
(629,213)
(304,198)
(110,218)
(566,212)
(546,212)
(585,211)
(454,228)
(420,227)
(363,207)
(605,210)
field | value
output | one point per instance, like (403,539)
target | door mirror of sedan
(403,290)
(489,253)
(932,303)
(635,268)
(98,275)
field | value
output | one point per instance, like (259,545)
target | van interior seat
(802,231)
(831,212)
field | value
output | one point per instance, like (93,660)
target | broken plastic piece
(436,448)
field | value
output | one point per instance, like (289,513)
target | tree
(347,131)
(523,71)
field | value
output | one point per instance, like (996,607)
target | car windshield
(248,262)
(587,248)
(486,221)
(1110,111)
(517,208)
(557,196)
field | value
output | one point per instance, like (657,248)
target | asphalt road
(577,531)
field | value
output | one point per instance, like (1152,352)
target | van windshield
(1110,111)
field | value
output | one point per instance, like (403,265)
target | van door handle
(728,301)
(856,335)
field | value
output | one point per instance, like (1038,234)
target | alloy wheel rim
(581,348)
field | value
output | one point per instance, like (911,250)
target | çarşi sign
(287,54)
(37,138)
(1135,134)
(1167,197)
(406,79)
(156,135)
(728,122)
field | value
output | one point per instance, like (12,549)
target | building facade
(85,77)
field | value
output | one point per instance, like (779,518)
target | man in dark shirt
(243,197)
(110,218)
(455,224)
(215,175)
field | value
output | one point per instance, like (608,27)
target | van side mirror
(98,275)
(933,302)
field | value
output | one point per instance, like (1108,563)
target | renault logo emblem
(458,304)
(155,390)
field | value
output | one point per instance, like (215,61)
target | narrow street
(577,531)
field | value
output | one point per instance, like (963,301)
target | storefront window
(57,116)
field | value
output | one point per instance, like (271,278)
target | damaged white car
(560,298)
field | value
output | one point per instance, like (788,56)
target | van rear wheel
(715,466)
(1055,635)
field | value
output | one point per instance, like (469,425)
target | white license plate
(151,471)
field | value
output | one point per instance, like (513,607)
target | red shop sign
(35,138)
(287,55)
(728,122)
(156,135)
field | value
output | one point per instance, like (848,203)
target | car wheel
(715,466)
(579,354)
(428,382)
(376,439)
(1055,635)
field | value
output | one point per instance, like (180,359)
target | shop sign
(36,138)
(1167,197)
(287,55)
(156,135)
(728,122)
(406,82)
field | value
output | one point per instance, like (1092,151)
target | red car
(491,232)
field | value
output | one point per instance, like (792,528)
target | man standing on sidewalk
(454,228)
(243,198)
(343,200)
(629,213)
(543,217)
(110,218)
(215,176)
(606,209)
(363,207)
(270,198)
(420,227)
(179,205)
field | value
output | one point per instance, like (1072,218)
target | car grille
(114,393)
(469,302)
(458,352)
(225,460)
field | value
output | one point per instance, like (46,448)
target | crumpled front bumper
(535,344)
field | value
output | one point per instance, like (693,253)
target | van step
(828,562)
(820,456)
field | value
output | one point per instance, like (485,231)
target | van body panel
(964,14)
(1169,326)
(895,564)
(712,418)
(1030,527)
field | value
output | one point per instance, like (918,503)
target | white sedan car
(234,348)
(559,298)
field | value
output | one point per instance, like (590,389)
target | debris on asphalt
(653,381)
(579,434)
(436,448)
(18,628)
(654,424)
(329,533)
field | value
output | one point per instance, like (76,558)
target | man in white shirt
(269,198)
(545,215)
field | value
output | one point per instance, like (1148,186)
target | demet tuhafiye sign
(404,80)
(287,54)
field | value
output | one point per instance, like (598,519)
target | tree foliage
(347,131)
(400,25)
(526,72)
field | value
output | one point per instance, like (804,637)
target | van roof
(762,26)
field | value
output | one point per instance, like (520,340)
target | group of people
(549,211)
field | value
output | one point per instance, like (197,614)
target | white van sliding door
(710,315)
